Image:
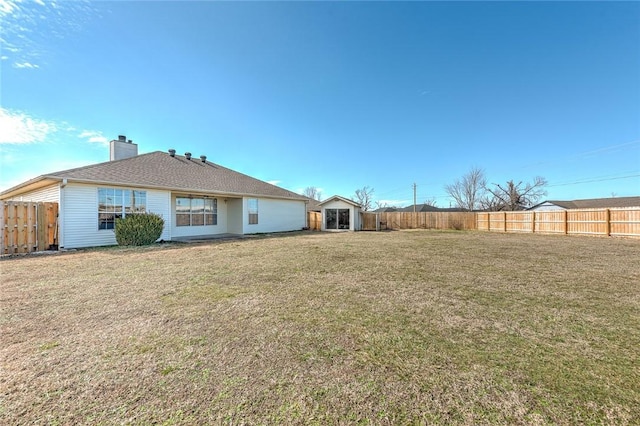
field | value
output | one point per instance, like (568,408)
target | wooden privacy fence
(370,221)
(427,220)
(620,222)
(314,221)
(28,227)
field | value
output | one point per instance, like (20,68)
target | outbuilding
(340,214)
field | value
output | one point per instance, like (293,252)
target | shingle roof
(160,170)
(337,197)
(594,203)
(419,208)
(313,205)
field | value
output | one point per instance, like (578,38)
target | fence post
(30,227)
(566,227)
(505,221)
(3,223)
(12,226)
(43,227)
(533,222)
(608,219)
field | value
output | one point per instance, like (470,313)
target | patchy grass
(365,328)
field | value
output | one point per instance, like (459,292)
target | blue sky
(336,95)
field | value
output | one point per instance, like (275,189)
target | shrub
(138,229)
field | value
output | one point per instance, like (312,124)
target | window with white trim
(196,211)
(118,203)
(252,208)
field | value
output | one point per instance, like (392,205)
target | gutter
(65,181)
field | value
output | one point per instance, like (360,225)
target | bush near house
(139,229)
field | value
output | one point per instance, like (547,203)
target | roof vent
(172,152)
(187,155)
(122,138)
(203,158)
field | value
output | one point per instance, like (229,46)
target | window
(252,207)
(117,203)
(337,218)
(196,211)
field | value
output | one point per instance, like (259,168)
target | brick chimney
(122,148)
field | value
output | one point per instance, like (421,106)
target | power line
(589,180)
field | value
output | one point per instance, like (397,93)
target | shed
(340,214)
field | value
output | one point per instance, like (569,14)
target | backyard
(438,327)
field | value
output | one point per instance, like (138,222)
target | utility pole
(414,197)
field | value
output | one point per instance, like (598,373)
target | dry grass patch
(316,328)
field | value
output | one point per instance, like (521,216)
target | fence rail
(27,227)
(427,220)
(618,222)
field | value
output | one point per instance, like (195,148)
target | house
(194,196)
(340,214)
(592,203)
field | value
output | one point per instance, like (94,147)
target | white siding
(79,216)
(275,216)
(47,194)
(159,202)
(194,231)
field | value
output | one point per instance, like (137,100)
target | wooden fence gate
(370,221)
(314,221)
(28,227)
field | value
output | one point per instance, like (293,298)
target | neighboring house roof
(313,205)
(419,208)
(162,171)
(386,210)
(429,208)
(593,203)
(339,198)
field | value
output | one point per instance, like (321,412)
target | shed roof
(160,170)
(339,198)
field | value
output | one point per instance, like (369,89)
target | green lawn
(320,328)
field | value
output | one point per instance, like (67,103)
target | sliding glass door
(337,218)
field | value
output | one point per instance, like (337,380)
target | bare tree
(431,202)
(516,196)
(364,197)
(312,192)
(468,191)
(381,205)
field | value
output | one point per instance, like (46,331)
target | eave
(28,186)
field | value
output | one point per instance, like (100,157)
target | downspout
(306,214)
(61,214)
